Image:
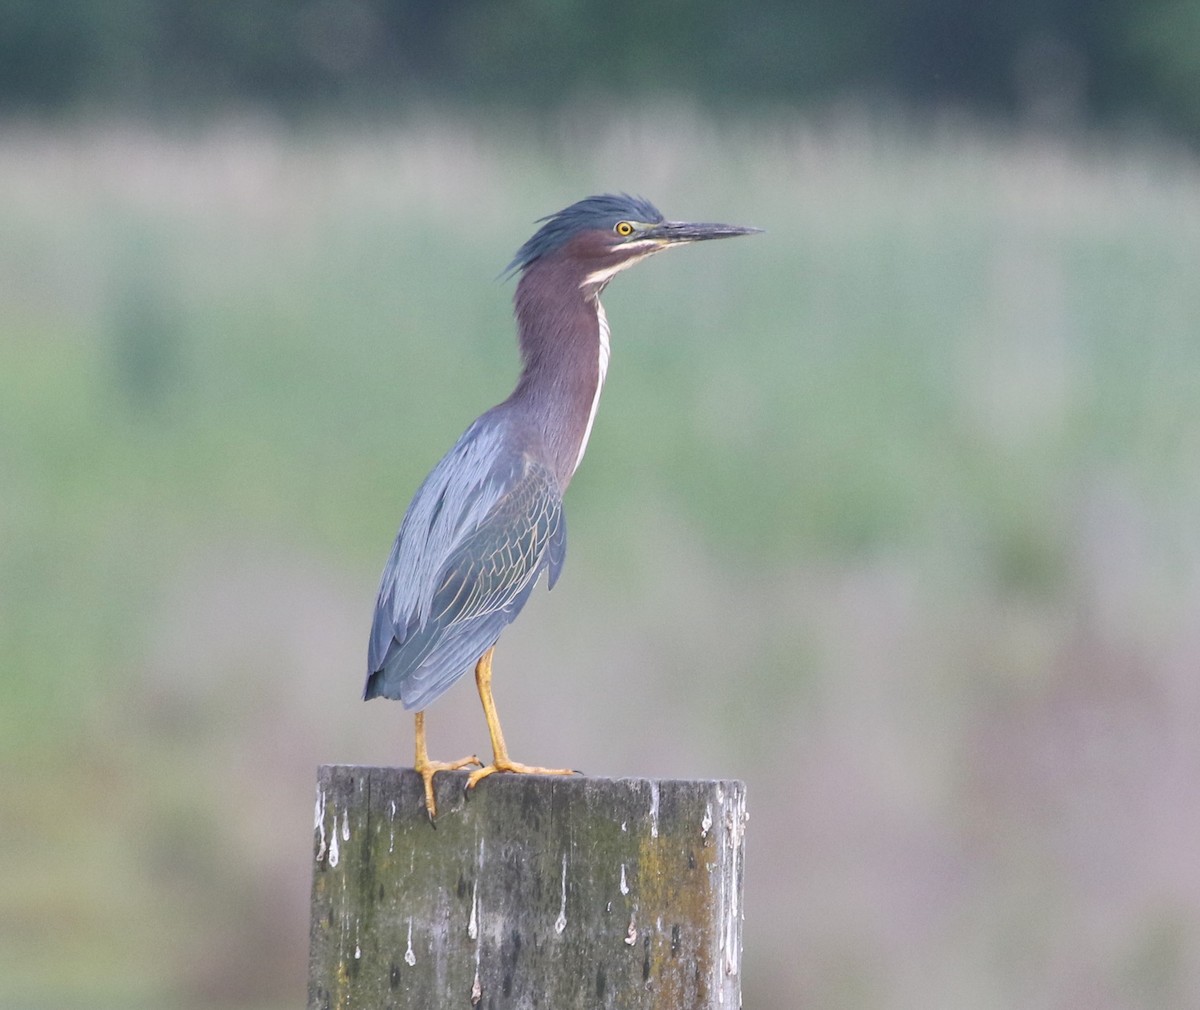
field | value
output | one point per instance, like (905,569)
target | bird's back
(478,533)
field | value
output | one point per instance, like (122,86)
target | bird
(488,520)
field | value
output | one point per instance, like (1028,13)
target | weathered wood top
(536,892)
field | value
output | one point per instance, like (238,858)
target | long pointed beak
(678,232)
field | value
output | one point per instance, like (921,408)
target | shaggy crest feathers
(592,212)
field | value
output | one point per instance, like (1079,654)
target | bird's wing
(483,586)
(477,535)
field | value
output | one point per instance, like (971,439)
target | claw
(502,764)
(427,769)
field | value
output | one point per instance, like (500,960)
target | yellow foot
(427,770)
(504,765)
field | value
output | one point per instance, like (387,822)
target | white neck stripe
(603,355)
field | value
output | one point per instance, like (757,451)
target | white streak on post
(410,956)
(730,862)
(561,922)
(735,828)
(319,823)
(473,926)
(631,932)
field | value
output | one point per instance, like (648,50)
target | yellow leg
(500,759)
(426,768)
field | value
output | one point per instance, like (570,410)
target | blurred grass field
(891,512)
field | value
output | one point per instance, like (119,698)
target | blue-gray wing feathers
(480,530)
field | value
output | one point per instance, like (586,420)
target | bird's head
(602,235)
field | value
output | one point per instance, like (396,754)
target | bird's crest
(602,212)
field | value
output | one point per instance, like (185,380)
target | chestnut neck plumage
(563,336)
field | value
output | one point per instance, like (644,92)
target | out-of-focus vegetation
(1054,59)
(890,511)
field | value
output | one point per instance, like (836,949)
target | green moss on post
(536,892)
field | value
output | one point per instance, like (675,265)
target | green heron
(489,518)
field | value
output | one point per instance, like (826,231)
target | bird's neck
(563,335)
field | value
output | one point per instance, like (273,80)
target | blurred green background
(890,512)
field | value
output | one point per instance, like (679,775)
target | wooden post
(537,891)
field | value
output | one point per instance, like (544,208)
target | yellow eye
(624,229)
